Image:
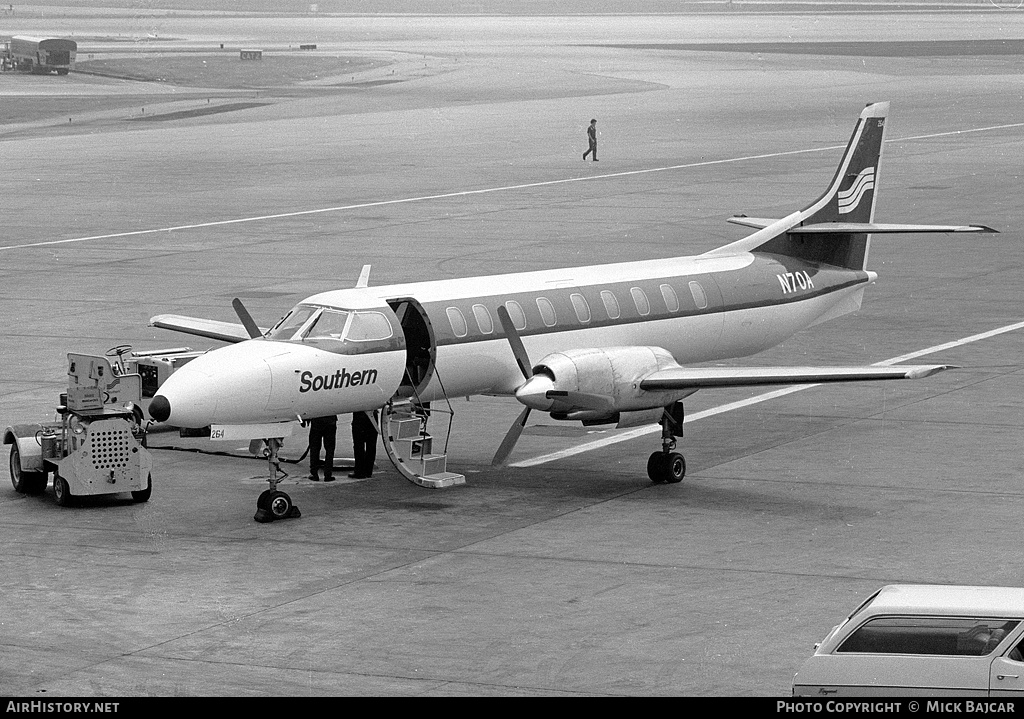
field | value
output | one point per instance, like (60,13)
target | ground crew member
(364,445)
(592,138)
(323,431)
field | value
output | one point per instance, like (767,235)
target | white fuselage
(700,309)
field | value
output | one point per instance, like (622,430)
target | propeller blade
(247,320)
(507,444)
(522,359)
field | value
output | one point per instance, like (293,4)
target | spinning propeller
(538,392)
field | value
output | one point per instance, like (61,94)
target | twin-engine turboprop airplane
(617,343)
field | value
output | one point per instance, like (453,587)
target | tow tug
(96,445)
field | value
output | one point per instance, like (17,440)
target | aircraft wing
(699,377)
(212,329)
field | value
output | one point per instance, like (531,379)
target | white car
(923,640)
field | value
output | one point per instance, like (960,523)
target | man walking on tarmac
(592,138)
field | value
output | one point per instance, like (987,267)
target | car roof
(945,599)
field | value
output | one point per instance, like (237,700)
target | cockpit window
(306,322)
(369,327)
(292,322)
(330,325)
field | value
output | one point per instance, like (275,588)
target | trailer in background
(40,55)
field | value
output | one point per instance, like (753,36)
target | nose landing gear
(272,503)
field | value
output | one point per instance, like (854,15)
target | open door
(420,346)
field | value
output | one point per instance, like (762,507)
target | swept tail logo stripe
(850,197)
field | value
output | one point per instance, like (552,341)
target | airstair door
(420,346)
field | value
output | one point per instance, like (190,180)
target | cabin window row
(486,325)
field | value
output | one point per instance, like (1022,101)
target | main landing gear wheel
(25,482)
(667,468)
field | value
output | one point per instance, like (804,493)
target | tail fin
(850,200)
(851,195)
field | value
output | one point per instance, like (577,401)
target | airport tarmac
(570,574)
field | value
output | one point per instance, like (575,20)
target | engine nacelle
(608,373)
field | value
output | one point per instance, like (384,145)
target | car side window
(943,636)
(1017,653)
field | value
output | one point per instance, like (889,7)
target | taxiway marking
(641,431)
(483,191)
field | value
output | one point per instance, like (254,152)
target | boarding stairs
(411,448)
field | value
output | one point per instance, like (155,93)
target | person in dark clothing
(323,431)
(364,445)
(592,138)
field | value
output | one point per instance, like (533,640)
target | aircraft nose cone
(160,408)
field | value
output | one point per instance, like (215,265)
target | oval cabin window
(547,311)
(611,304)
(515,312)
(579,303)
(457,321)
(483,319)
(671,299)
(643,306)
(699,297)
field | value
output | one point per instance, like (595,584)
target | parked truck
(40,55)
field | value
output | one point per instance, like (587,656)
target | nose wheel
(272,503)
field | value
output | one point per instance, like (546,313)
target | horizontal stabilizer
(699,377)
(758,223)
(212,329)
(846,228)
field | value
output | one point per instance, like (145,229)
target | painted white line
(641,431)
(406,200)
(469,193)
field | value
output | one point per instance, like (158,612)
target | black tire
(656,467)
(263,501)
(279,505)
(675,468)
(25,482)
(143,494)
(62,492)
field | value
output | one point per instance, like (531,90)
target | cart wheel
(62,492)
(25,482)
(143,494)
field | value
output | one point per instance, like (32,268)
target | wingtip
(929,370)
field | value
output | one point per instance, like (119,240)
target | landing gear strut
(668,466)
(273,504)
